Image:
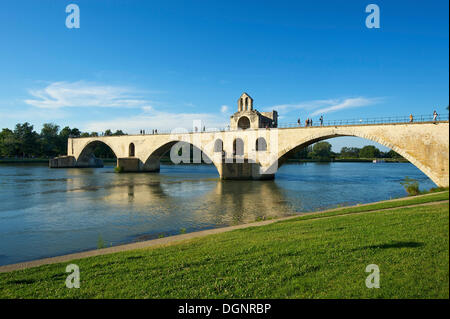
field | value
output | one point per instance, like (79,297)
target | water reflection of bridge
(220,203)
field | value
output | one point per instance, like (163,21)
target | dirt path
(178,238)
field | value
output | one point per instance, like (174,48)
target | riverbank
(23,160)
(319,255)
(349,160)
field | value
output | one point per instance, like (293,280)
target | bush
(118,169)
(411,186)
(100,242)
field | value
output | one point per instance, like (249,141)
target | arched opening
(389,153)
(244,123)
(182,153)
(95,153)
(131,150)
(238,147)
(320,149)
(261,144)
(246,103)
(218,145)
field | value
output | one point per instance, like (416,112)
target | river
(48,212)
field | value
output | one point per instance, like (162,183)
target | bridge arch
(153,159)
(86,156)
(302,142)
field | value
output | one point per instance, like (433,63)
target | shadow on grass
(21,281)
(398,244)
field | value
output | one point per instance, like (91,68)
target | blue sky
(162,64)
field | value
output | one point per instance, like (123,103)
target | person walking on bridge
(321,120)
(411,119)
(435,115)
(298,122)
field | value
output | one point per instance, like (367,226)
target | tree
(75,132)
(7,143)
(350,152)
(393,154)
(321,151)
(108,132)
(303,153)
(369,151)
(119,133)
(49,139)
(26,140)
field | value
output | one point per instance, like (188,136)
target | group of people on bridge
(309,122)
(435,116)
(142,132)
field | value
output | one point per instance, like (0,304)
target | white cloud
(297,106)
(325,106)
(224,108)
(85,94)
(162,121)
(346,104)
(58,97)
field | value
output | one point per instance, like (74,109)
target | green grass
(299,258)
(413,200)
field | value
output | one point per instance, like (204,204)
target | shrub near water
(411,186)
(118,169)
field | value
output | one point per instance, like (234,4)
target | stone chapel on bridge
(248,117)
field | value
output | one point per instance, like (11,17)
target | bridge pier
(134,164)
(71,162)
(242,171)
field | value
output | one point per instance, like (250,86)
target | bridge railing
(316,123)
(372,120)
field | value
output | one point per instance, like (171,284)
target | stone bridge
(257,153)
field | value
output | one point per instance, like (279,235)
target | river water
(48,212)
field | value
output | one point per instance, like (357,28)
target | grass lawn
(300,258)
(413,200)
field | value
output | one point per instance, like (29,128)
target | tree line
(322,151)
(25,142)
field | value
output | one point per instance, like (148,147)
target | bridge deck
(281,127)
